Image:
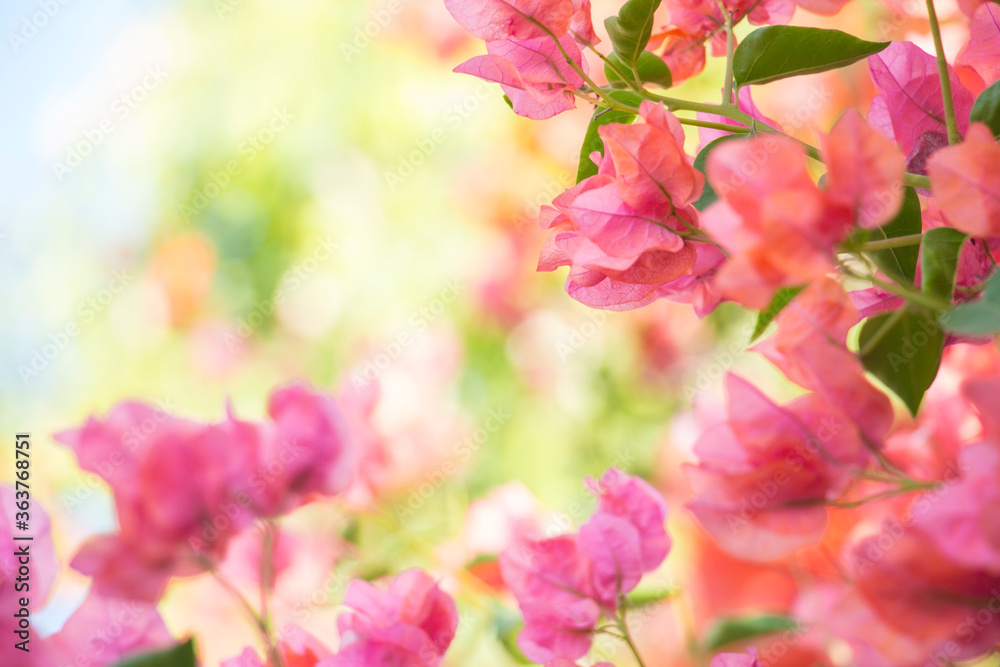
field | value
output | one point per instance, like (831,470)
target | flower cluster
(564,584)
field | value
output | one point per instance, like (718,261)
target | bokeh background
(204,199)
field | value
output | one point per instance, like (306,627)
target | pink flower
(864,171)
(764,476)
(552,580)
(625,538)
(491,20)
(182,489)
(522,54)
(982,53)
(622,230)
(532,72)
(310,452)
(563,662)
(779,227)
(410,623)
(103,631)
(179,490)
(963,523)
(562,583)
(920,592)
(810,348)
(966,182)
(909,105)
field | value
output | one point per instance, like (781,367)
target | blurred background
(203,199)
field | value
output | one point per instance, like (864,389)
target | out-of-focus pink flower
(507,515)
(626,536)
(918,591)
(764,476)
(532,72)
(622,230)
(410,623)
(982,53)
(909,104)
(966,182)
(182,489)
(810,348)
(864,170)
(180,493)
(103,631)
(779,227)
(736,660)
(963,523)
(563,662)
(310,453)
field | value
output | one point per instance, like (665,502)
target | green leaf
(181,655)
(900,264)
(708,195)
(729,630)
(782,298)
(631,29)
(592,140)
(776,52)
(903,350)
(651,69)
(979,318)
(939,252)
(987,108)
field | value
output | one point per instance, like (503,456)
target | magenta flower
(564,584)
(410,623)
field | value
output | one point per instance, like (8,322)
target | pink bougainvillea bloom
(310,451)
(625,537)
(180,493)
(963,522)
(581,25)
(764,476)
(552,580)
(810,348)
(920,592)
(182,489)
(104,631)
(492,20)
(864,170)
(966,182)
(736,660)
(411,623)
(909,104)
(982,53)
(532,72)
(621,231)
(779,227)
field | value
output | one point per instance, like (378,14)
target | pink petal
(982,53)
